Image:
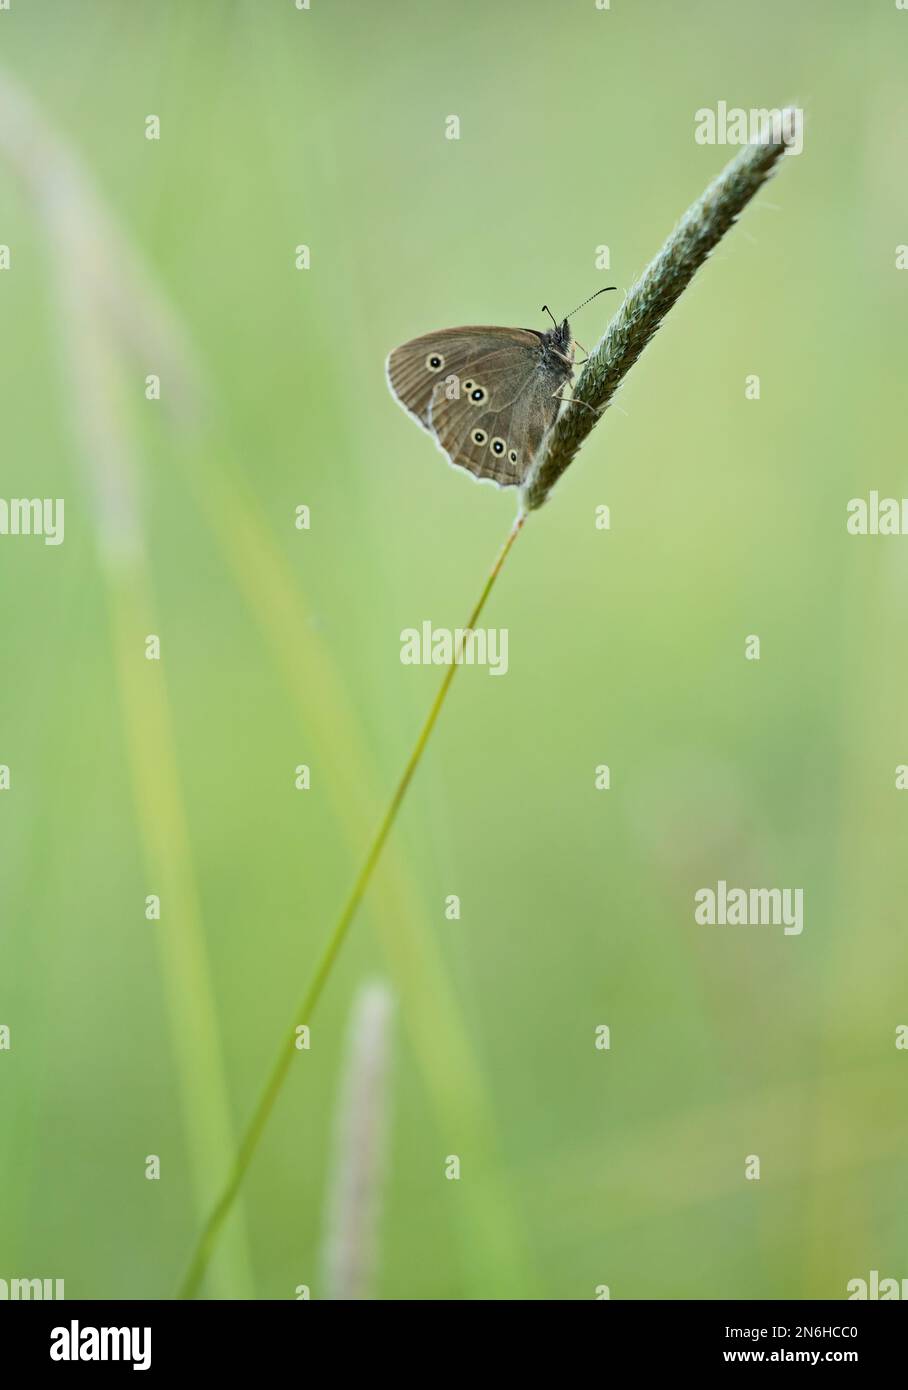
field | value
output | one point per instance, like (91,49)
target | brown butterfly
(486,395)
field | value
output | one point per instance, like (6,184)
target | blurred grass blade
(100,297)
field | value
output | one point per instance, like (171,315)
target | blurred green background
(326,127)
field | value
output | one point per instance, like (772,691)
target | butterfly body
(487,395)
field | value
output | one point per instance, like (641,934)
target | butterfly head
(557,342)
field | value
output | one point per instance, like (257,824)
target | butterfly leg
(569,400)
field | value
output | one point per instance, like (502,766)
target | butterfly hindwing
(499,440)
(484,393)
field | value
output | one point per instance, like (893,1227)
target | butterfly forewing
(486,394)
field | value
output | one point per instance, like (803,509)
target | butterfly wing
(484,393)
(498,440)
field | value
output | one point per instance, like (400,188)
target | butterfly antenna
(546,310)
(591,298)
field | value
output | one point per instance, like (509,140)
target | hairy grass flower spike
(357,1178)
(649,300)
